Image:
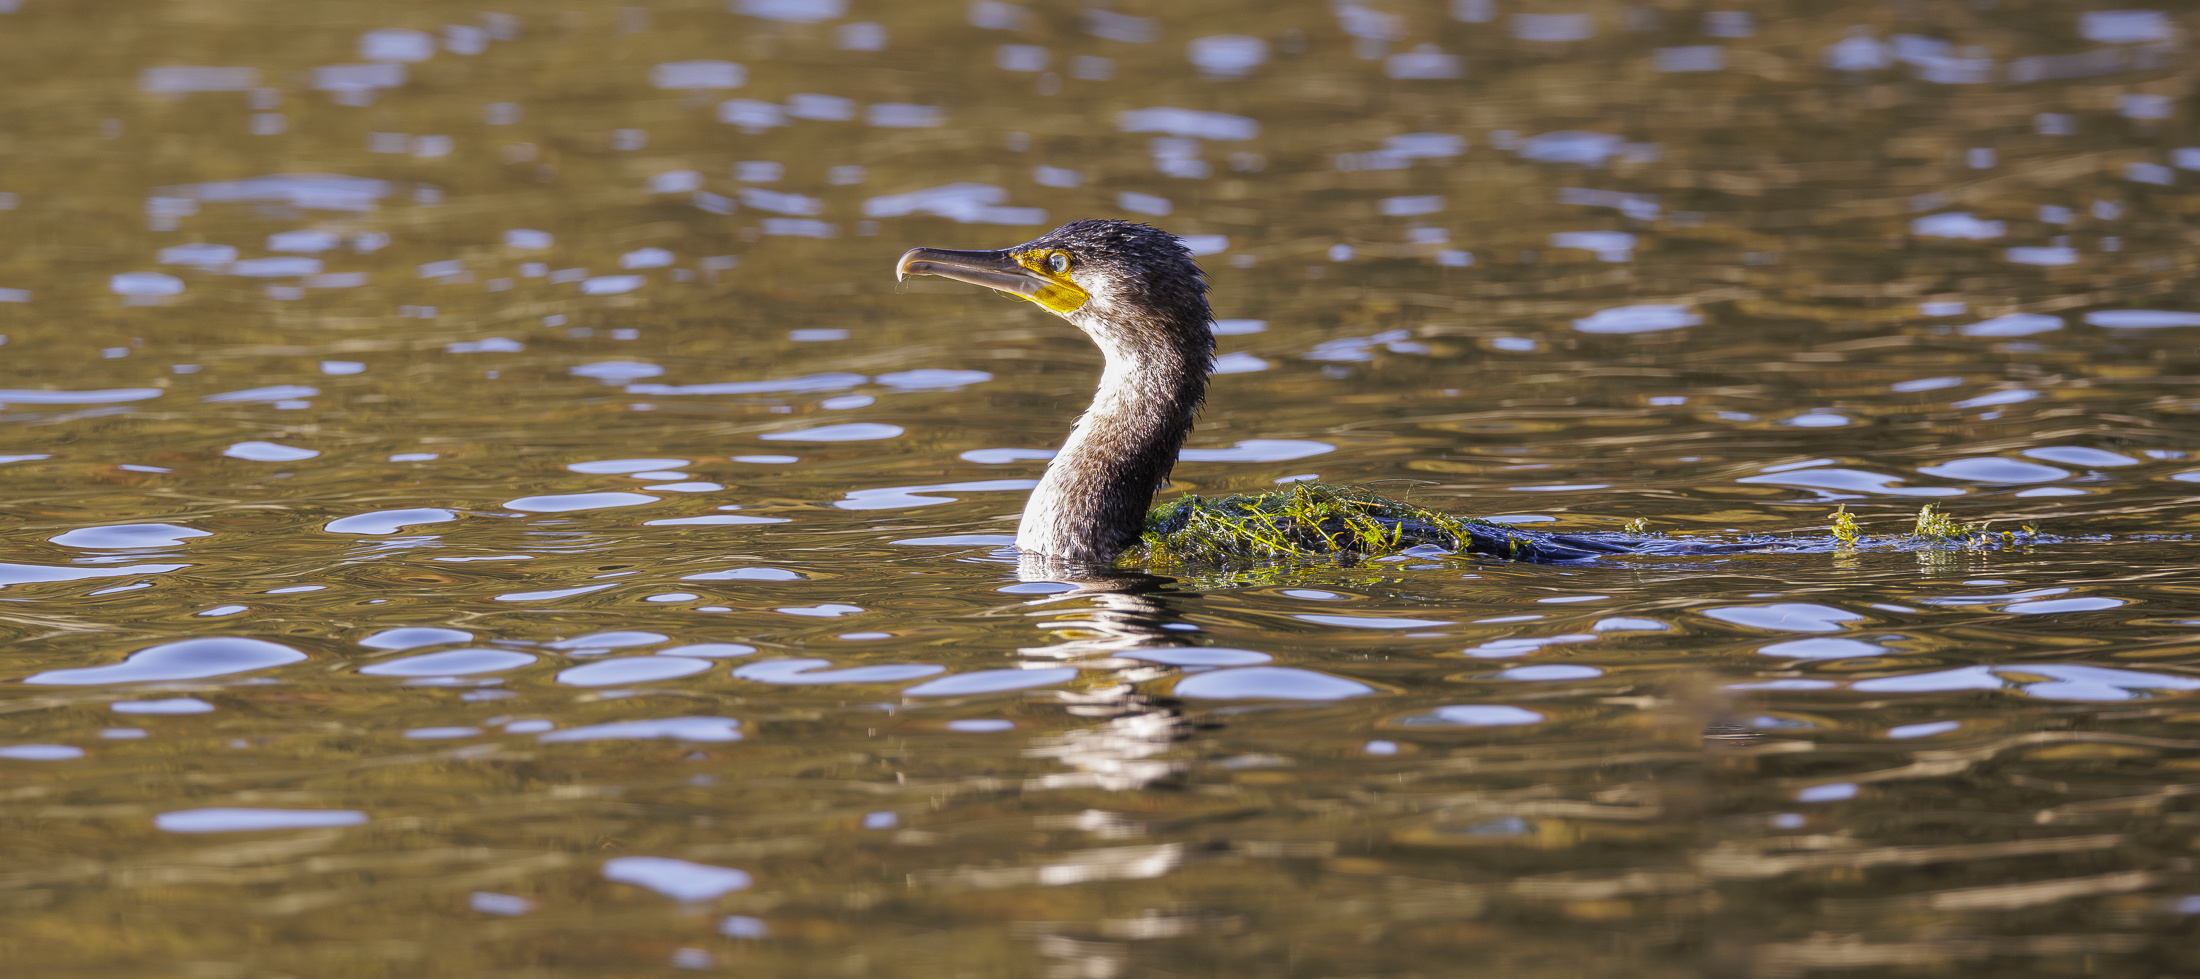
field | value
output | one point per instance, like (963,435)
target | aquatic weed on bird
(1317,520)
(1309,519)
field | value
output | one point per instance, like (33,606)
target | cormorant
(1136,291)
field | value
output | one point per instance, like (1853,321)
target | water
(478,503)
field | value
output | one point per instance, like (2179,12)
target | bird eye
(1058,263)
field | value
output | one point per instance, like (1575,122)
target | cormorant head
(1116,280)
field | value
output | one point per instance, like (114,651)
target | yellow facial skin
(1041,275)
(1059,293)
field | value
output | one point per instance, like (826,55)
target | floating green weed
(1318,520)
(1844,526)
(1935,525)
(1307,520)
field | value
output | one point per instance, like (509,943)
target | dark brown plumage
(1136,292)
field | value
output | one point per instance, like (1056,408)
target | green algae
(1935,525)
(1931,530)
(1320,520)
(1307,520)
(1844,527)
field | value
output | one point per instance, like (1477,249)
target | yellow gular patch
(1059,294)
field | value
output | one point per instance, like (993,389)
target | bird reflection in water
(1101,617)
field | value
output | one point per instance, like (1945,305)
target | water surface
(477,502)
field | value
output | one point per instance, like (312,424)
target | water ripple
(189,659)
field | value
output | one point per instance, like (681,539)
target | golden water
(1887,762)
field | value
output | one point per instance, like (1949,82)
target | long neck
(1091,504)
